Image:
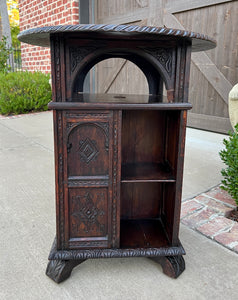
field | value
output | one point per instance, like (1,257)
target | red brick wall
(39,13)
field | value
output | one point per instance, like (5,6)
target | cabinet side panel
(179,175)
(59,179)
(182,71)
(173,191)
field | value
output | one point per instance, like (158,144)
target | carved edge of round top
(41,36)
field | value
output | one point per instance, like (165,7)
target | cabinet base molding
(62,262)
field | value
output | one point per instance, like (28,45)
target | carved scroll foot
(172,266)
(60,270)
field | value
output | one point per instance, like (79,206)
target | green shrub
(230,157)
(23,92)
(4,55)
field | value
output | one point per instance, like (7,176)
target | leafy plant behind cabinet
(229,156)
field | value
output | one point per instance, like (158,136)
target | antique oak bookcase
(118,158)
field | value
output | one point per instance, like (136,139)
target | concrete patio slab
(27,224)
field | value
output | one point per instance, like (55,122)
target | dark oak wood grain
(141,200)
(147,172)
(118,158)
(41,36)
(172,266)
(60,270)
(143,233)
(83,254)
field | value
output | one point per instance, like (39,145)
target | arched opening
(119,73)
(116,76)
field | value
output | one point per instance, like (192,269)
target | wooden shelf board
(107,102)
(146,172)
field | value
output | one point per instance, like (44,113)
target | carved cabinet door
(88,186)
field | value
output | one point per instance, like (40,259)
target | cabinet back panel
(143,136)
(140,200)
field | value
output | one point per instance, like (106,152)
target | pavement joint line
(31,143)
(26,137)
(13,130)
(44,147)
(16,147)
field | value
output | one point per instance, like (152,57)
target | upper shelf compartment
(162,54)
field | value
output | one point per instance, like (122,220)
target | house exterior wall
(39,13)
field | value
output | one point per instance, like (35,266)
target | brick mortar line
(211,237)
(195,210)
(232,245)
(219,243)
(217,212)
(217,200)
(203,222)
(223,230)
(226,229)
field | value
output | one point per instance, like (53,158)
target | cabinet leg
(172,266)
(60,270)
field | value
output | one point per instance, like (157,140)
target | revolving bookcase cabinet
(118,158)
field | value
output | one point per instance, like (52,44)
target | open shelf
(146,172)
(142,233)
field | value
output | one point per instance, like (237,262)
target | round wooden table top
(41,36)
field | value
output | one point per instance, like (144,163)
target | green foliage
(4,55)
(230,157)
(22,92)
(15,30)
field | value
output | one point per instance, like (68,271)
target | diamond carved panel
(88,212)
(88,150)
